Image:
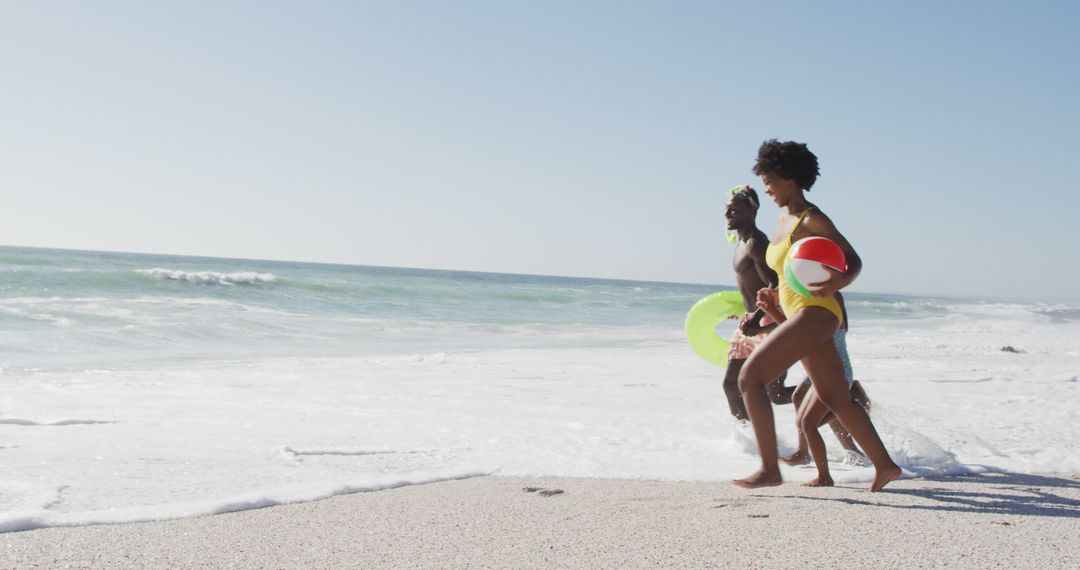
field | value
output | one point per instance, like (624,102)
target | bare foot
(800,457)
(819,482)
(761,478)
(884,476)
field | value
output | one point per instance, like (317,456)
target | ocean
(145,387)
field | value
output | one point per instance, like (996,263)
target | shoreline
(494,521)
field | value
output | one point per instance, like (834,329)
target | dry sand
(999,520)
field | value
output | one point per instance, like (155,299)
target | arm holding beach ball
(818,224)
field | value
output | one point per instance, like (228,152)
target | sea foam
(209,277)
(22,520)
(139,394)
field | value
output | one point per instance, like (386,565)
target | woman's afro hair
(789,160)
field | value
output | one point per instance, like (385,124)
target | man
(751,275)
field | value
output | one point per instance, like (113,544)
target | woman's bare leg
(792,340)
(858,394)
(824,367)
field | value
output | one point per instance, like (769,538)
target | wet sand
(996,520)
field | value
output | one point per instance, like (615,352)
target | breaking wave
(209,277)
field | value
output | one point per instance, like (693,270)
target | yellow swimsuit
(790,301)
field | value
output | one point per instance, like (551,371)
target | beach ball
(806,262)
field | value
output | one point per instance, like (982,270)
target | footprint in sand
(543,492)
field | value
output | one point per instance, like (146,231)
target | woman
(788,170)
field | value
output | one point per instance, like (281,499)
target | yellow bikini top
(790,301)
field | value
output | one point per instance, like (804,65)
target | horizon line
(479,272)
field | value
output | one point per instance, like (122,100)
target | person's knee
(799,418)
(799,395)
(807,423)
(749,379)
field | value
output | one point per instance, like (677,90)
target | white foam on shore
(138,394)
(12,521)
(119,445)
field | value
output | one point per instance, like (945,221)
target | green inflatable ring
(701,324)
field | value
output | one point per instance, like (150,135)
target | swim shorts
(740,345)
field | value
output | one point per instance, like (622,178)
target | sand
(997,520)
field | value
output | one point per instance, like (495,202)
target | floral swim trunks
(740,345)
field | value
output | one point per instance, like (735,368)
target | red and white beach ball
(806,262)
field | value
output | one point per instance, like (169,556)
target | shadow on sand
(997,493)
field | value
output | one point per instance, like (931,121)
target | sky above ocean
(559,138)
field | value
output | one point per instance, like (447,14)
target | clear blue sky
(570,138)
